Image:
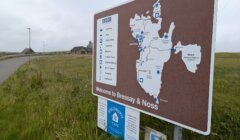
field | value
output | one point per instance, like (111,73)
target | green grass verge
(52,99)
(6,54)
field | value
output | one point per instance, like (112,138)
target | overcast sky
(63,24)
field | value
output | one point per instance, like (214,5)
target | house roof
(77,48)
(27,50)
(81,48)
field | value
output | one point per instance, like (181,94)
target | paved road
(9,66)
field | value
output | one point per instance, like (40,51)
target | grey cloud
(64,24)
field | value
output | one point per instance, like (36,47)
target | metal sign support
(177,133)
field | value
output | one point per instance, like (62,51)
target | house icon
(115,117)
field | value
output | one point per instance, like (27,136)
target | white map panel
(155,51)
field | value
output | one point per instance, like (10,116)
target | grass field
(52,99)
(6,54)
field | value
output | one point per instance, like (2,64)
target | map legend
(107,39)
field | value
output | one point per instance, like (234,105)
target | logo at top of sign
(107,20)
(155,50)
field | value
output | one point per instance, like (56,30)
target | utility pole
(29,43)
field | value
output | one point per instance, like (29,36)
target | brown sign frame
(211,58)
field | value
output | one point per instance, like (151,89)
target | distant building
(82,50)
(28,51)
(90,47)
(79,50)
